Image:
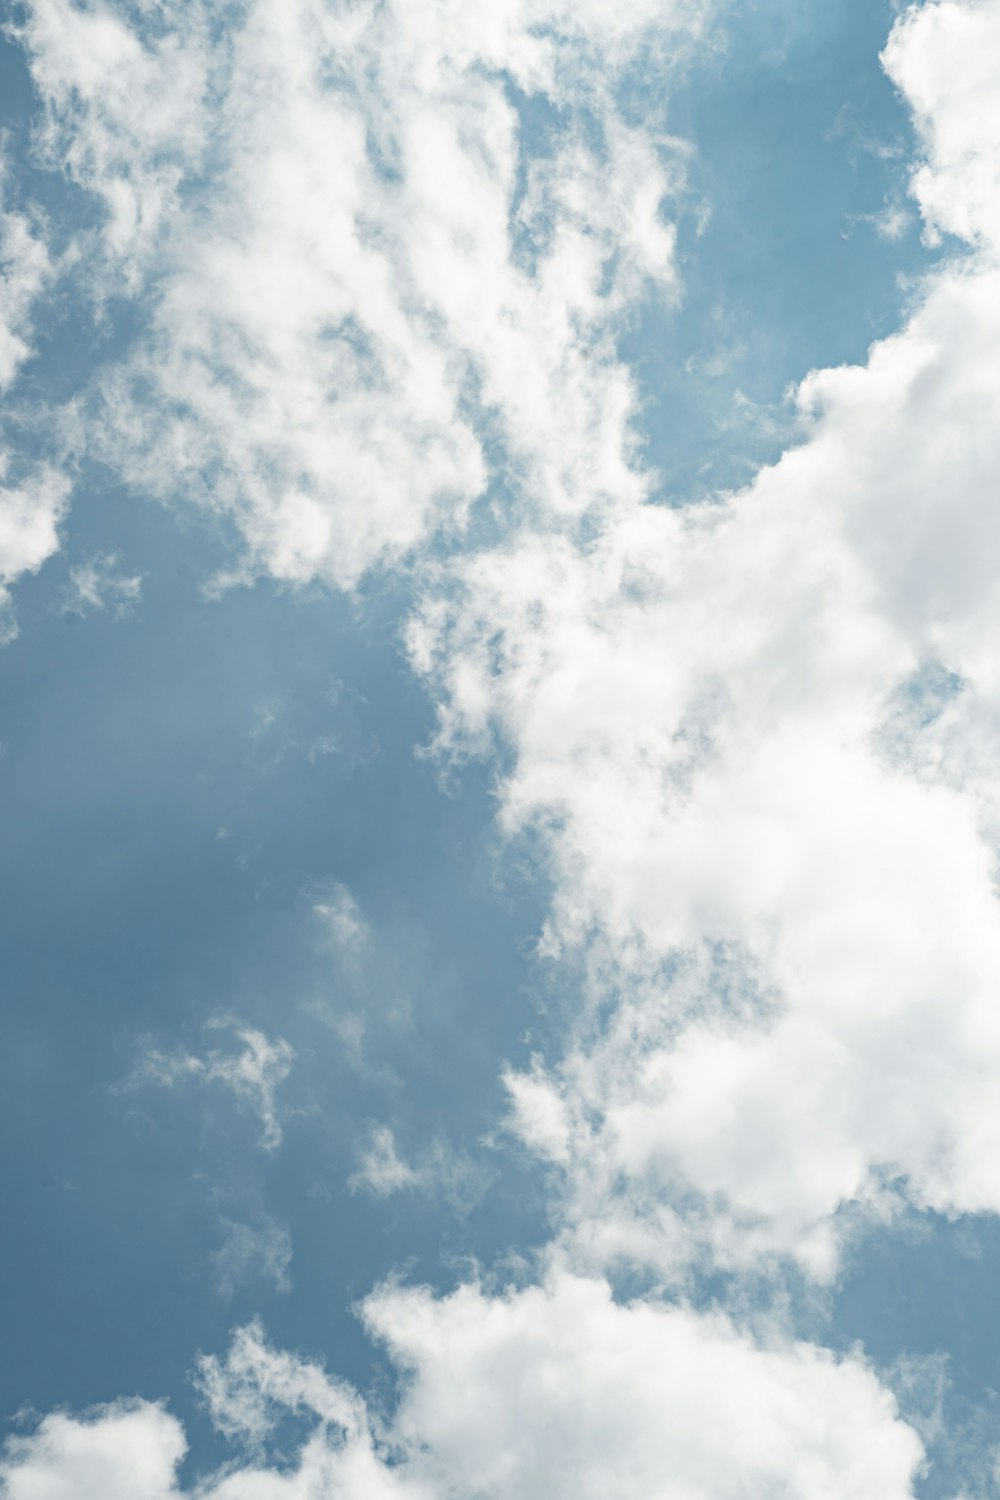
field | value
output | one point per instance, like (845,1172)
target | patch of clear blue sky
(799,141)
(129,744)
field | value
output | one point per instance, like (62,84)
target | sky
(499,717)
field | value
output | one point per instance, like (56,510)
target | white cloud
(791,911)
(438,1170)
(101,585)
(774,878)
(25,269)
(381,1170)
(128,1450)
(943,56)
(253,1074)
(554,1390)
(34,502)
(346,930)
(560,1390)
(371,267)
(693,703)
(124,113)
(30,511)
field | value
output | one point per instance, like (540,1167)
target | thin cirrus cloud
(439,1170)
(252,1072)
(101,585)
(251,1253)
(767,822)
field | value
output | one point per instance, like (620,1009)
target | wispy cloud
(436,1171)
(345,928)
(25,271)
(33,495)
(101,586)
(252,1073)
(251,1253)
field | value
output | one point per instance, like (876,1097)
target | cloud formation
(31,508)
(358,272)
(101,586)
(33,495)
(252,1252)
(437,1171)
(252,1074)
(756,741)
(557,1389)
(25,269)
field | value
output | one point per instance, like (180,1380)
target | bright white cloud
(124,1451)
(124,113)
(360,266)
(561,1390)
(772,844)
(943,56)
(253,1074)
(768,824)
(554,1390)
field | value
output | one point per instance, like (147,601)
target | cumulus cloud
(365,286)
(252,1074)
(754,739)
(554,1390)
(128,1450)
(561,1390)
(943,57)
(781,900)
(124,113)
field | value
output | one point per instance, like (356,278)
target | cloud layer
(754,741)
(557,1389)
(358,272)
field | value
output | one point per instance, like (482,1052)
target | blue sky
(499,921)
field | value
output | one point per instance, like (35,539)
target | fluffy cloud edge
(512,1396)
